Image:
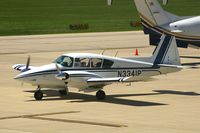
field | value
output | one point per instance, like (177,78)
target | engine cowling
(62,76)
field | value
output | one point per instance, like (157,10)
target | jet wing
(21,67)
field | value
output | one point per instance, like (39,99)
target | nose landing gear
(38,94)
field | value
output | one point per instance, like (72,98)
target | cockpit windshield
(65,61)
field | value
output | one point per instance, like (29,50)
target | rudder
(166,52)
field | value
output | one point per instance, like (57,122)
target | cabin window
(65,61)
(82,62)
(107,63)
(96,63)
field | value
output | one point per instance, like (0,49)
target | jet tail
(166,52)
(152,13)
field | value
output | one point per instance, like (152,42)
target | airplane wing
(21,67)
(115,79)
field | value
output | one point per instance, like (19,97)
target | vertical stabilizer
(152,13)
(166,52)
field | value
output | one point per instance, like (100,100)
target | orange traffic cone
(136,52)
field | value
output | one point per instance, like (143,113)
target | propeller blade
(58,69)
(61,75)
(28,62)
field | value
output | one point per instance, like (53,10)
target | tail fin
(166,52)
(152,13)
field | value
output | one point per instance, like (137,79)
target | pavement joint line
(47,51)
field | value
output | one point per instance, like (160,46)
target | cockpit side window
(82,62)
(96,62)
(65,61)
(107,63)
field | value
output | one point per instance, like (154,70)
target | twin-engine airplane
(157,21)
(91,72)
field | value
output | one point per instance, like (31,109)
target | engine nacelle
(62,76)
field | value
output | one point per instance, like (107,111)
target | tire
(38,95)
(63,92)
(100,95)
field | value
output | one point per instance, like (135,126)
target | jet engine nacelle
(191,25)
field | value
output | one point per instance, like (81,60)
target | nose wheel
(100,95)
(38,94)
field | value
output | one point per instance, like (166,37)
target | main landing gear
(38,94)
(64,92)
(100,95)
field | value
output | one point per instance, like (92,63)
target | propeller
(27,64)
(61,75)
(58,69)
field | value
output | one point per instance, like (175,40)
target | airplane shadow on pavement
(114,99)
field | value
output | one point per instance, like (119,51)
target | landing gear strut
(64,92)
(100,95)
(38,94)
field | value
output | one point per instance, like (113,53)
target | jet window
(82,62)
(65,61)
(96,63)
(107,63)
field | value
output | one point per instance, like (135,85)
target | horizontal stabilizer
(178,66)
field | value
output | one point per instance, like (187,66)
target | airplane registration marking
(128,73)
